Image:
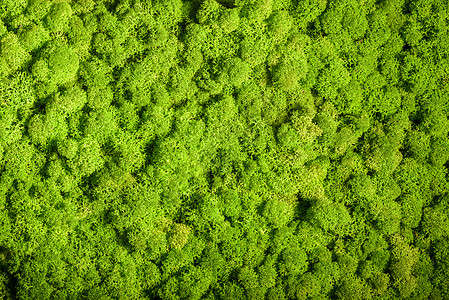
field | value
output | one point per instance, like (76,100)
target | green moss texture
(224,149)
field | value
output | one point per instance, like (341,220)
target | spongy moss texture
(269,149)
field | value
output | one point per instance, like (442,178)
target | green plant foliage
(12,53)
(353,287)
(279,213)
(47,129)
(293,261)
(287,75)
(436,220)
(62,63)
(58,17)
(11,9)
(224,149)
(229,20)
(331,78)
(403,260)
(238,72)
(330,216)
(33,37)
(279,25)
(88,159)
(70,101)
